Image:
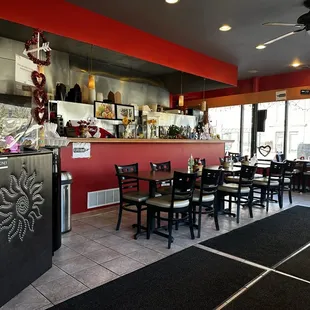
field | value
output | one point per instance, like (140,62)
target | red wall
(97,173)
(257,84)
(68,20)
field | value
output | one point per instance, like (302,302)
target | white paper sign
(281,95)
(23,69)
(81,150)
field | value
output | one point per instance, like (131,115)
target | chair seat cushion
(233,188)
(264,182)
(165,202)
(287,180)
(205,198)
(136,196)
(165,190)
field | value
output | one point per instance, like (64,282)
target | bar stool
(130,194)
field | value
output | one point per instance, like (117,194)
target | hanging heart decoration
(33,42)
(40,97)
(40,115)
(38,79)
(264,150)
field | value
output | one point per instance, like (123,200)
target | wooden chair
(179,202)
(130,195)
(289,168)
(305,176)
(271,184)
(164,188)
(242,190)
(205,197)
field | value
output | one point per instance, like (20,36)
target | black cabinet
(25,220)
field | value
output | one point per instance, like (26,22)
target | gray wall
(60,71)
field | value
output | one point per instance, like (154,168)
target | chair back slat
(276,169)
(289,166)
(247,175)
(210,180)
(164,166)
(127,183)
(183,186)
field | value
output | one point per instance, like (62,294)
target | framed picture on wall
(123,110)
(104,110)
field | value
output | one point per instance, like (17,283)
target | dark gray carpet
(298,266)
(274,292)
(267,241)
(192,278)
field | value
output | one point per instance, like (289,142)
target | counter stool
(130,195)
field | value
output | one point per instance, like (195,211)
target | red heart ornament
(40,97)
(38,79)
(33,42)
(40,115)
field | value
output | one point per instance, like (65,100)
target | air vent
(102,198)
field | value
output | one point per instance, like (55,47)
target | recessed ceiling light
(253,71)
(295,64)
(172,1)
(225,28)
(260,46)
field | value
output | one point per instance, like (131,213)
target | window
(246,132)
(226,122)
(298,129)
(274,129)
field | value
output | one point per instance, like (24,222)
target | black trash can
(66,181)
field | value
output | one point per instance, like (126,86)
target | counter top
(169,141)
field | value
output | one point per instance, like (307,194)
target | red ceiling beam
(65,19)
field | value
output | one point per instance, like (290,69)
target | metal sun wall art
(19,205)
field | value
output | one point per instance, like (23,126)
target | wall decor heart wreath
(264,150)
(39,79)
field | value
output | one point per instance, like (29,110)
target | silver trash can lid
(66,177)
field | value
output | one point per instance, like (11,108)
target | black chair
(236,157)
(271,184)
(179,202)
(205,197)
(305,176)
(242,190)
(130,194)
(165,187)
(289,168)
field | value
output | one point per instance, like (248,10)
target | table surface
(157,176)
(260,165)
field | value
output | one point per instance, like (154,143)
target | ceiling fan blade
(283,36)
(283,24)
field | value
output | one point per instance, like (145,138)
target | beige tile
(64,253)
(110,240)
(95,234)
(75,264)
(123,265)
(62,289)
(163,248)
(103,255)
(88,246)
(95,276)
(146,256)
(98,221)
(53,274)
(82,227)
(73,239)
(28,299)
(126,247)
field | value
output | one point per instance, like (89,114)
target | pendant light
(181,97)
(203,106)
(91,81)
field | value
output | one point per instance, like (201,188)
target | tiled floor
(93,253)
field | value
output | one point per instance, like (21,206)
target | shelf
(162,141)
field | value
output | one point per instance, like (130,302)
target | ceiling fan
(303,23)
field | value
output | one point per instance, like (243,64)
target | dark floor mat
(274,292)
(298,266)
(267,241)
(192,278)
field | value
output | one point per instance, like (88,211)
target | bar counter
(98,173)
